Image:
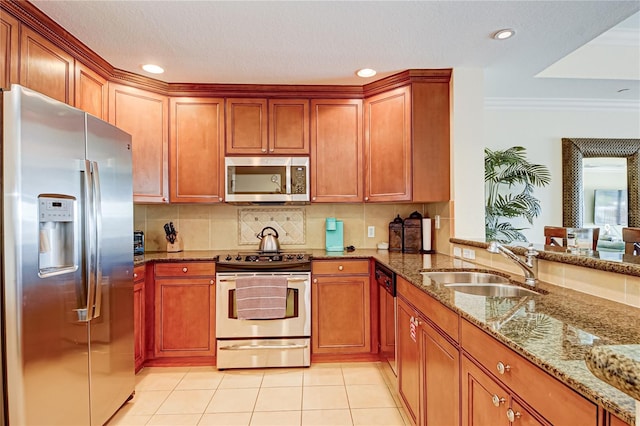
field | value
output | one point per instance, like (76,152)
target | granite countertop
(556,331)
(618,365)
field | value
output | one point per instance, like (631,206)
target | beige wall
(608,285)
(215,227)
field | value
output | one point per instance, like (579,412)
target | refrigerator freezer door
(111,329)
(46,339)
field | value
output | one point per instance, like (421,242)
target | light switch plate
(457,251)
(371,231)
(469,254)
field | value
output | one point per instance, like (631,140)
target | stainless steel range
(275,342)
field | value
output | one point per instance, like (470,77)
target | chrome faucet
(529,265)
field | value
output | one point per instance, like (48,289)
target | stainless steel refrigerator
(67,263)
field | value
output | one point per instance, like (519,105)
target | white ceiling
(325,42)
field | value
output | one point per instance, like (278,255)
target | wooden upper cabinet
(431,142)
(261,126)
(91,92)
(196,155)
(46,68)
(288,126)
(247,125)
(144,115)
(387,123)
(336,151)
(8,50)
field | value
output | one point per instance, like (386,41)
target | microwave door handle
(288,180)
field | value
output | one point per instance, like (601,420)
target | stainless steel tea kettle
(268,243)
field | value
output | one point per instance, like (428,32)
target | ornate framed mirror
(573,151)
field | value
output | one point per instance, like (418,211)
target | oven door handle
(291,280)
(251,347)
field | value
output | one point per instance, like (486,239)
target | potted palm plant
(509,183)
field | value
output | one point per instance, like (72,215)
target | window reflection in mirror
(605,202)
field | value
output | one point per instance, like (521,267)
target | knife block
(176,246)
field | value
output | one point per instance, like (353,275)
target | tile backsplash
(229,227)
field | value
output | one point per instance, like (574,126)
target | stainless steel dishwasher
(388,306)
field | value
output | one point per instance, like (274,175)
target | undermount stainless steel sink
(479,283)
(492,290)
(461,277)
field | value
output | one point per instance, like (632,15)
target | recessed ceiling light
(504,34)
(153,69)
(366,72)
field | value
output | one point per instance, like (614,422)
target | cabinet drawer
(545,394)
(185,269)
(340,267)
(441,316)
(138,273)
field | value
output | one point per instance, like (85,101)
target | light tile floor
(323,394)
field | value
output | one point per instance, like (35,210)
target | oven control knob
(228,257)
(238,257)
(276,258)
(252,258)
(290,256)
(300,256)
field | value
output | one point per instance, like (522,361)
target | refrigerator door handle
(88,246)
(97,204)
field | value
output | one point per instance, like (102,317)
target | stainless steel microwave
(266,179)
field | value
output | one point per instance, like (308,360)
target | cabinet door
(341,320)
(185,317)
(45,68)
(144,115)
(441,373)
(484,401)
(289,126)
(138,316)
(408,359)
(9,48)
(246,126)
(91,92)
(387,123)
(431,147)
(196,150)
(336,151)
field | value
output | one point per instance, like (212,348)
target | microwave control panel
(299,180)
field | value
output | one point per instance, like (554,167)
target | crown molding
(567,104)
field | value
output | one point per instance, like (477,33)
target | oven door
(297,322)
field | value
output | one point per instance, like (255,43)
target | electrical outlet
(436,219)
(457,252)
(371,231)
(469,254)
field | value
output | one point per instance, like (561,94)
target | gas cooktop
(258,260)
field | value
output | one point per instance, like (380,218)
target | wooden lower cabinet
(185,309)
(139,316)
(486,402)
(428,370)
(341,307)
(440,374)
(408,359)
(550,401)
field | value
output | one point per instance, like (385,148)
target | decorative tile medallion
(288,222)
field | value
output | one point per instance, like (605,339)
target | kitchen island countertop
(561,327)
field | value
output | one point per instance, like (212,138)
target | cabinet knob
(497,400)
(340,268)
(164,199)
(366,198)
(264,149)
(135,275)
(220,199)
(513,415)
(313,198)
(315,281)
(184,269)
(503,368)
(211,282)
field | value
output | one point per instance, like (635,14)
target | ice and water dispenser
(56,217)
